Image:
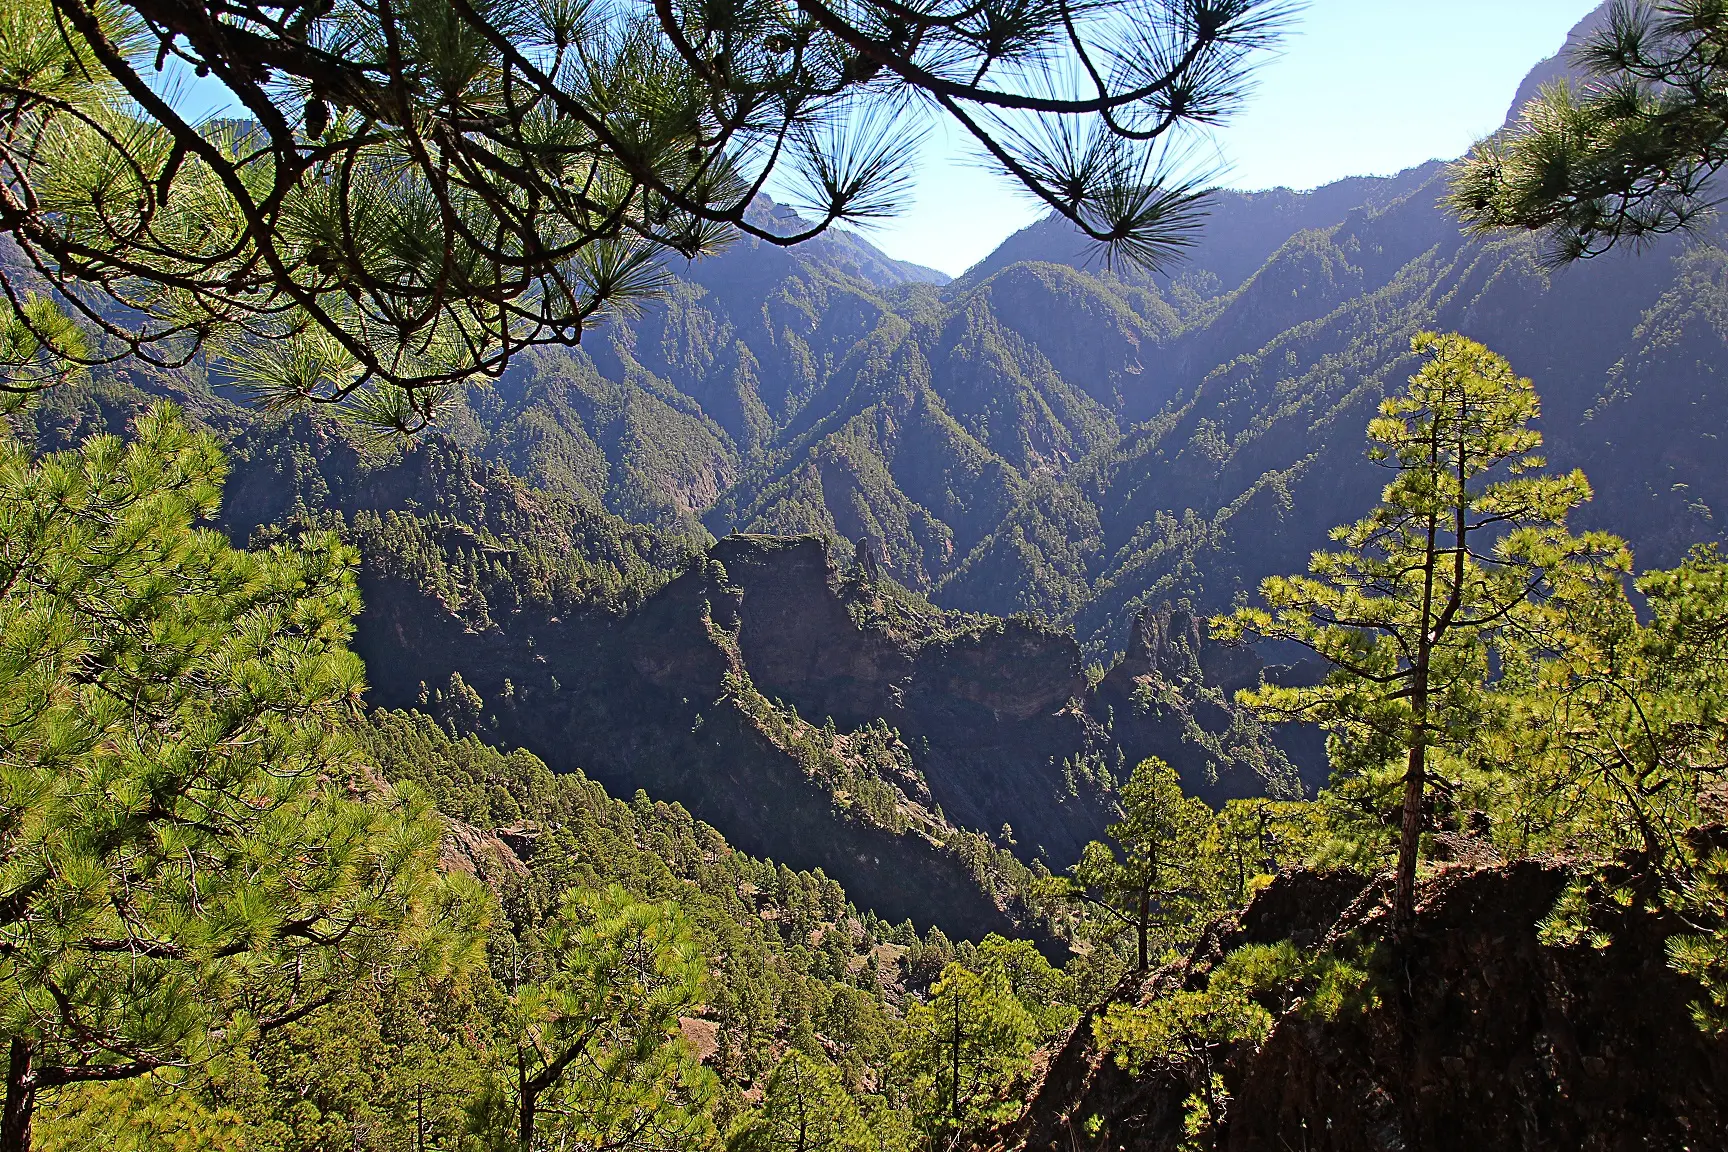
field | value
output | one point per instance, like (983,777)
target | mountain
(1051,436)
(966,530)
(1047,437)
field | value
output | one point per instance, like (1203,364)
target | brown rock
(1483,1039)
(482,855)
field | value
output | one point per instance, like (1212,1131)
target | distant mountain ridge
(1113,455)
(1047,435)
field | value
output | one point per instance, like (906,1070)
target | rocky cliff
(802,702)
(1480,1036)
(706,695)
(821,718)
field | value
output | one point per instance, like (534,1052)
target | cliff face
(1512,1044)
(1484,1039)
(641,703)
(1172,695)
(823,718)
(656,699)
(990,712)
(710,676)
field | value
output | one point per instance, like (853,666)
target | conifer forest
(523,630)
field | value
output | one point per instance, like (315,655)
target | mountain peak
(1559,65)
(841,248)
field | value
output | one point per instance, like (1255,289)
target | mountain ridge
(1077,461)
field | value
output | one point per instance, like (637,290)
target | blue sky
(1360,87)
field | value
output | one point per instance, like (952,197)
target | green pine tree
(805,1108)
(961,1052)
(1629,154)
(598,1061)
(1469,536)
(1149,875)
(1611,744)
(189,854)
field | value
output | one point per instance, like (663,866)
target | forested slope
(1043,436)
(1048,435)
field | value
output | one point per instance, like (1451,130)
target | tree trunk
(525,1096)
(1410,832)
(1144,927)
(1415,773)
(20,1098)
(956,1098)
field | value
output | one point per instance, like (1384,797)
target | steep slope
(1240,232)
(1479,1037)
(1242,472)
(812,709)
(1052,436)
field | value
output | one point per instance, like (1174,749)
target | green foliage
(1624,157)
(238,657)
(1244,748)
(731,994)
(1703,953)
(805,1108)
(393,1069)
(1612,728)
(1253,839)
(480,577)
(867,771)
(39,345)
(1148,880)
(119,1117)
(1187,1033)
(1192,1033)
(191,857)
(887,606)
(1043,990)
(1469,536)
(594,998)
(472,535)
(1172,865)
(788,948)
(1608,744)
(962,1051)
(783,962)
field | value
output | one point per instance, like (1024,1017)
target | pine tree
(805,1108)
(1468,536)
(1628,155)
(189,856)
(1611,744)
(38,341)
(1255,837)
(595,999)
(961,1051)
(1045,991)
(1149,875)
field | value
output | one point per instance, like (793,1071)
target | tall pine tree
(189,854)
(1468,535)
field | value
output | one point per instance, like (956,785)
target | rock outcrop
(982,722)
(650,700)
(1483,1038)
(1174,688)
(486,856)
